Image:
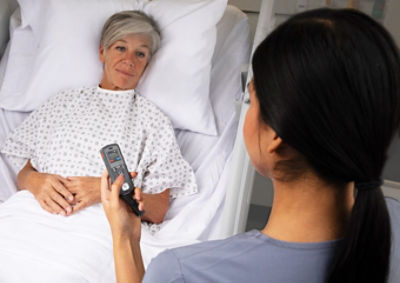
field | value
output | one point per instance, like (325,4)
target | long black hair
(328,83)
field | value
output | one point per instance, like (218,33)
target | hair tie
(366,186)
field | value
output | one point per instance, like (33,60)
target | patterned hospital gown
(64,137)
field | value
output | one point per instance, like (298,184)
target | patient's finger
(133,174)
(54,206)
(79,206)
(66,207)
(61,189)
(44,205)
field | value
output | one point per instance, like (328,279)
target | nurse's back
(251,256)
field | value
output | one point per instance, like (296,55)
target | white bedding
(78,248)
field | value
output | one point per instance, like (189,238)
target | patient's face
(124,62)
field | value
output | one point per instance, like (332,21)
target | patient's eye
(120,48)
(140,54)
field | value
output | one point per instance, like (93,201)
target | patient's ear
(101,54)
(275,143)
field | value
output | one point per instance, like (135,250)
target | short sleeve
(164,268)
(166,167)
(21,145)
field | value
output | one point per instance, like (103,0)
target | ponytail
(363,254)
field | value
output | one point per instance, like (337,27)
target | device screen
(113,156)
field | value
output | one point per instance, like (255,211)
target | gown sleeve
(23,143)
(162,165)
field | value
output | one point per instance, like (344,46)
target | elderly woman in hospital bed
(57,145)
(36,246)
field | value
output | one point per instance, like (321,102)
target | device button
(125,187)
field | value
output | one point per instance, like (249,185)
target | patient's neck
(309,210)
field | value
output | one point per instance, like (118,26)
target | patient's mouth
(125,73)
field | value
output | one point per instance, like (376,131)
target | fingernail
(71,198)
(68,209)
(62,213)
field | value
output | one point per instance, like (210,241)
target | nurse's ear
(275,143)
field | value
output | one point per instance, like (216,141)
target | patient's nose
(129,59)
(128,62)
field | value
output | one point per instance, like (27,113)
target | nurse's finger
(138,196)
(104,187)
(116,187)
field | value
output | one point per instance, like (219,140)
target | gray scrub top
(255,257)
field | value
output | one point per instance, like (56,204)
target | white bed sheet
(78,248)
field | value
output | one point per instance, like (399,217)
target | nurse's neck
(309,210)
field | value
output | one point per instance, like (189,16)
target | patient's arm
(48,189)
(156,206)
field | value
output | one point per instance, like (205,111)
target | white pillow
(68,33)
(19,58)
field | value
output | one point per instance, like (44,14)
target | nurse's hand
(123,222)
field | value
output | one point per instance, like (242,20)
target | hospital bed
(189,220)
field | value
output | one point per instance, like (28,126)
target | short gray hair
(126,23)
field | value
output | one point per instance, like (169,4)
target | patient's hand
(156,206)
(86,191)
(48,189)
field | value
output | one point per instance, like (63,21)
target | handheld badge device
(115,164)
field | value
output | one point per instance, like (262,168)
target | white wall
(284,8)
(246,5)
(392,23)
(251,8)
(392,20)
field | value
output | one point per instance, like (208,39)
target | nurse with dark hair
(324,108)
